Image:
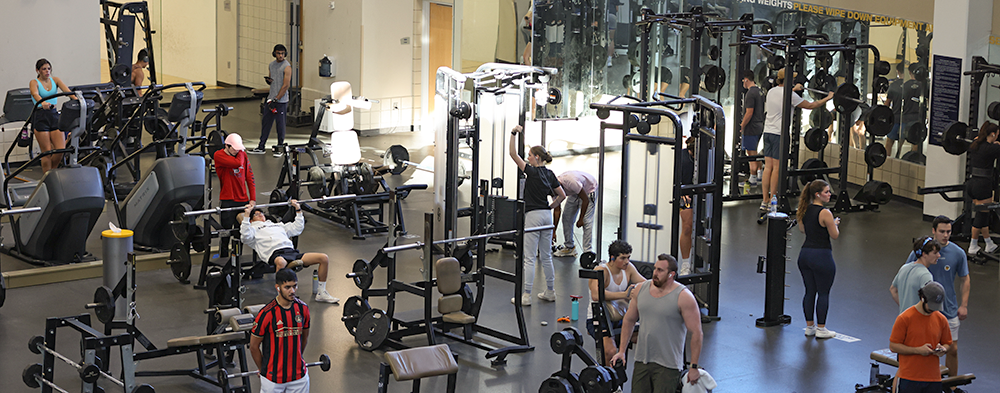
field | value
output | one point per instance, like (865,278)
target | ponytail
(808,193)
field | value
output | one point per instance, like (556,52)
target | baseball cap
(781,75)
(236,141)
(933,295)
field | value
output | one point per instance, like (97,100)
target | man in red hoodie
(235,179)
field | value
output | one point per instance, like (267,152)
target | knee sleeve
(981,220)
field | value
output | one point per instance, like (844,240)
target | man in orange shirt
(919,337)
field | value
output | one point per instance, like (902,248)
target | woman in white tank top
(619,279)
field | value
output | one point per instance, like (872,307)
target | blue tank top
(46,93)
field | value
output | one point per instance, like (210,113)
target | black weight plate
(363,271)
(845,96)
(882,67)
(775,62)
(816,139)
(880,120)
(880,85)
(368,184)
(954,141)
(821,118)
(106,311)
(216,141)
(121,74)
(562,342)
(588,260)
(35,343)
(821,81)
(144,388)
(180,225)
(395,157)
(916,133)
(354,308)
(633,120)
(993,111)
(556,384)
(596,379)
(278,195)
(875,155)
(823,60)
(180,262)
(760,72)
(811,163)
(714,52)
(90,373)
(915,157)
(317,177)
(714,77)
(29,373)
(373,329)
(555,96)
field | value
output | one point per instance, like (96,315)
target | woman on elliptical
(983,154)
(540,182)
(46,119)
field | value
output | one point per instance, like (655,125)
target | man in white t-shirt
(773,105)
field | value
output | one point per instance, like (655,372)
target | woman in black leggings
(816,257)
(983,154)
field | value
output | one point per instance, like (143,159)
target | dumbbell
(89,372)
(225,376)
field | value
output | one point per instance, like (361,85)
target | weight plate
(366,184)
(180,262)
(816,139)
(121,74)
(954,141)
(35,343)
(277,196)
(882,67)
(915,157)
(395,158)
(880,85)
(823,60)
(556,384)
(993,111)
(363,274)
(811,163)
(216,141)
(181,226)
(875,155)
(714,77)
(588,260)
(29,374)
(821,118)
(761,73)
(90,373)
(821,81)
(372,330)
(105,312)
(562,342)
(775,62)
(555,96)
(354,308)
(916,133)
(714,52)
(880,120)
(846,98)
(317,177)
(596,379)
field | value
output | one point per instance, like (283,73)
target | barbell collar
(417,245)
(860,101)
(265,205)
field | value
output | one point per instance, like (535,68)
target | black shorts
(979,188)
(46,120)
(290,254)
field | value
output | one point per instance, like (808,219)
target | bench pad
(420,362)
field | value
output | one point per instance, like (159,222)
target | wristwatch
(694,365)
(513,133)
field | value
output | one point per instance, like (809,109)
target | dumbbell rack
(594,378)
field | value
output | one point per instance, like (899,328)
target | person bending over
(272,240)
(983,154)
(620,277)
(581,193)
(919,337)
(279,336)
(668,311)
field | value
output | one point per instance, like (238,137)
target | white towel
(704,384)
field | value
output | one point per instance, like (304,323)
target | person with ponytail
(983,154)
(816,257)
(539,184)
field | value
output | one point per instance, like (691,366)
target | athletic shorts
(300,385)
(979,188)
(46,120)
(894,133)
(612,21)
(290,254)
(953,324)
(772,146)
(750,142)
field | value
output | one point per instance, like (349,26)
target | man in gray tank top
(668,311)
(279,77)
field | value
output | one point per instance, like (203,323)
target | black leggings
(818,270)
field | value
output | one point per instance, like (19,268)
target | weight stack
(774,281)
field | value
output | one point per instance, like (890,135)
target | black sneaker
(255,150)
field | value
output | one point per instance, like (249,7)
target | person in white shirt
(272,240)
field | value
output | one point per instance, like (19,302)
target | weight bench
(883,382)
(416,363)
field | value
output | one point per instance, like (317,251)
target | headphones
(274,52)
(920,251)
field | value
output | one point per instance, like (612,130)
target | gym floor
(740,356)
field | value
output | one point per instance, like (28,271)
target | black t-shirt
(984,156)
(541,183)
(687,167)
(913,91)
(754,99)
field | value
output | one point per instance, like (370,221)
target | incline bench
(883,383)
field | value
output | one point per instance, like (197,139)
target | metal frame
(113,16)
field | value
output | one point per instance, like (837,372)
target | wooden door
(439,46)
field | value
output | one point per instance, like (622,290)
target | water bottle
(774,204)
(315,281)
(575,315)
(746,187)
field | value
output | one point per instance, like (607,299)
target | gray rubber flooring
(741,357)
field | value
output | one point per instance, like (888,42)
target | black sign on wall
(946,90)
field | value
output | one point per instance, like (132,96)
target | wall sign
(946,90)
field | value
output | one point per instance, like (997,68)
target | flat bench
(416,363)
(883,383)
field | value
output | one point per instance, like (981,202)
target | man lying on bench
(272,240)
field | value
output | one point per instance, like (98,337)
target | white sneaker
(991,247)
(525,299)
(325,297)
(810,331)
(549,295)
(685,269)
(824,333)
(764,206)
(255,151)
(609,62)
(760,173)
(974,249)
(753,180)
(565,252)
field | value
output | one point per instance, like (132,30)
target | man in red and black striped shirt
(279,337)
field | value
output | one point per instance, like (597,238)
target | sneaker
(255,150)
(295,265)
(325,297)
(760,173)
(764,206)
(753,180)
(609,62)
(525,299)
(810,331)
(565,252)
(974,249)
(277,153)
(549,295)
(824,333)
(991,247)
(685,269)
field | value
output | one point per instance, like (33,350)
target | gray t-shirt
(754,99)
(277,74)
(910,278)
(663,333)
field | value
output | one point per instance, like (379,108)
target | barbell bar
(323,363)
(852,99)
(417,245)
(32,377)
(89,373)
(7,212)
(264,205)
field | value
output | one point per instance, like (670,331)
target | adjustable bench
(883,382)
(416,363)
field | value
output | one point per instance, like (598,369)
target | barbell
(89,372)
(417,245)
(846,98)
(397,159)
(955,139)
(265,205)
(323,363)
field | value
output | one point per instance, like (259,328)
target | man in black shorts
(278,339)
(271,240)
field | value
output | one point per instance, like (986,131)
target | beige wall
(335,33)
(187,36)
(226,41)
